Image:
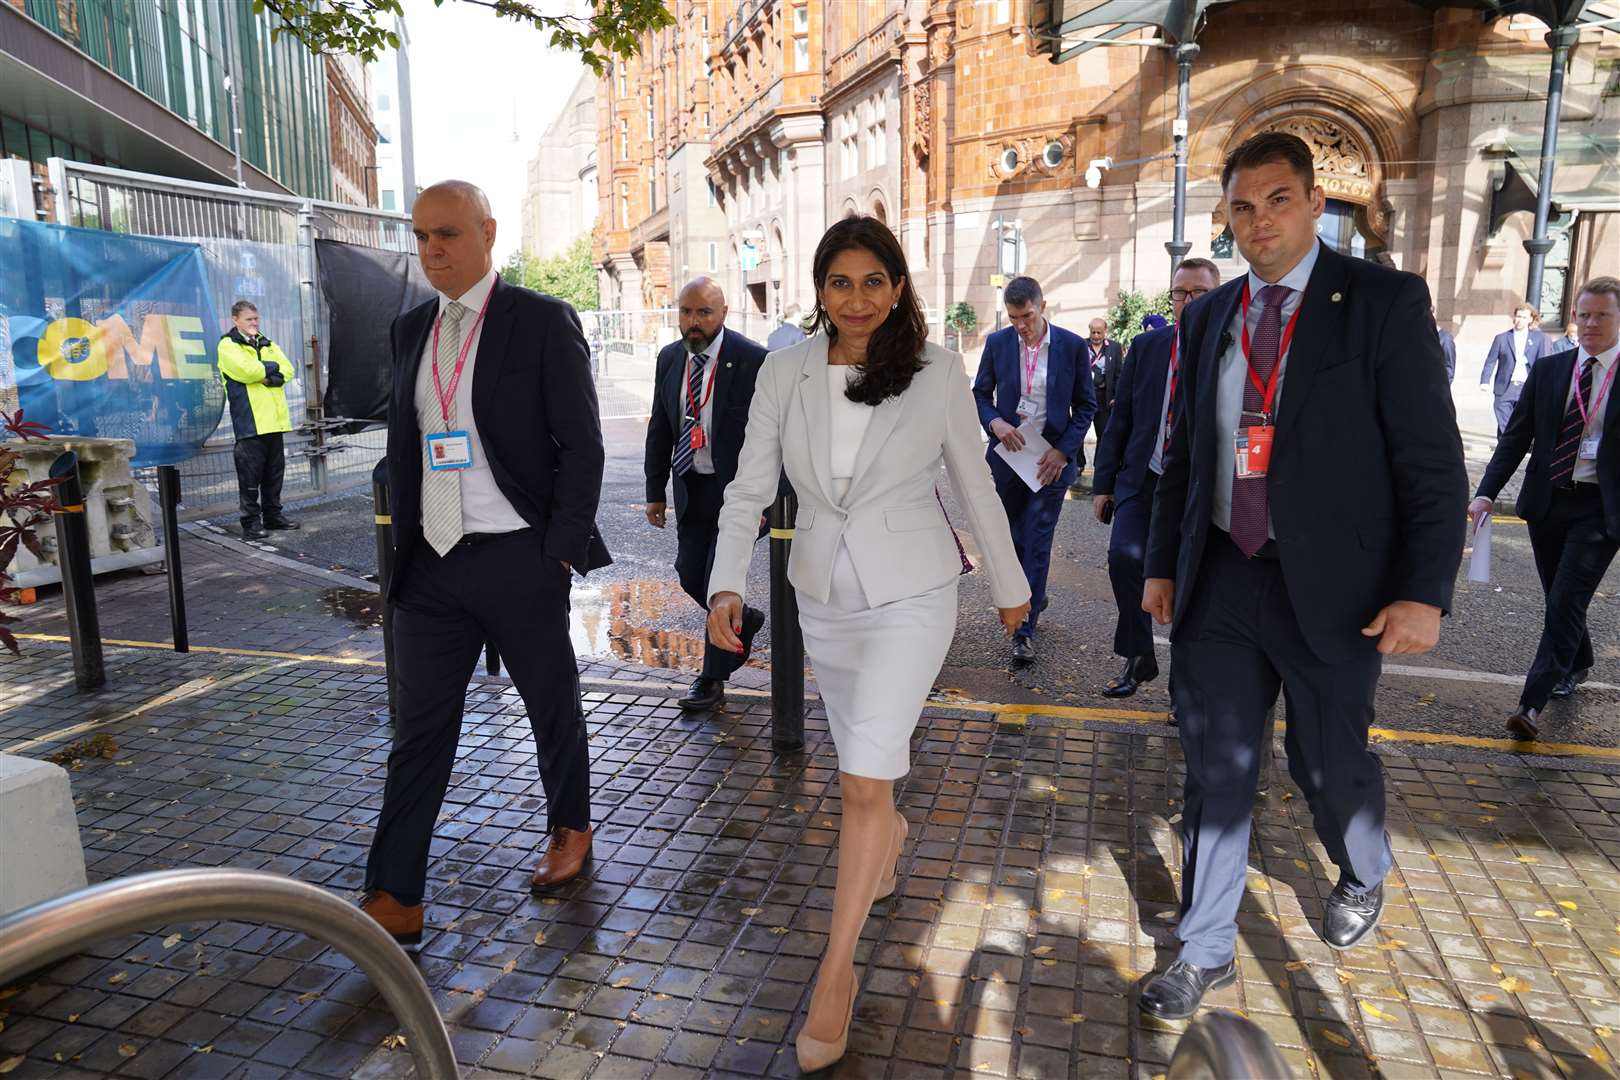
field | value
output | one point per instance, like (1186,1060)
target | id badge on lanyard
(449,450)
(452,449)
(1252,446)
(1589,443)
(1252,443)
(1028,404)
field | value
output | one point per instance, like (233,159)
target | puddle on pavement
(361,607)
(628,620)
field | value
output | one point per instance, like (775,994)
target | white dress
(874,666)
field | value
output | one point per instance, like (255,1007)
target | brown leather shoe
(403,922)
(565,857)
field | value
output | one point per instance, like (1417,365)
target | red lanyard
(461,361)
(697,406)
(1175,371)
(1598,398)
(1268,392)
(1030,364)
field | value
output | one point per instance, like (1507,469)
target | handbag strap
(961,552)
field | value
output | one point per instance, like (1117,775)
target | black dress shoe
(705,694)
(280,523)
(1522,724)
(252,530)
(1177,993)
(1023,650)
(1566,686)
(1175,718)
(1351,916)
(1138,670)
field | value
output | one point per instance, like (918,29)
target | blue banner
(108,335)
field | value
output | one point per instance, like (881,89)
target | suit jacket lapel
(492,342)
(1211,349)
(722,375)
(1053,400)
(817,416)
(1321,316)
(410,365)
(878,430)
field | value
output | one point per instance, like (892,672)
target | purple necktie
(1249,511)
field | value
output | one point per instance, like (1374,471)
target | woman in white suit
(860,416)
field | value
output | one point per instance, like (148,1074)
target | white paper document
(1479,564)
(1026,462)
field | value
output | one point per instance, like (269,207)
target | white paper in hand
(1479,564)
(1026,462)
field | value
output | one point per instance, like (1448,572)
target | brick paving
(1036,890)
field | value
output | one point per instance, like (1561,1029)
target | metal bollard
(168,505)
(787,643)
(492,659)
(78,584)
(383,516)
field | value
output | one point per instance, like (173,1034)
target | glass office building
(178,53)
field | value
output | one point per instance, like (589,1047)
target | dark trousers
(1127,547)
(1238,641)
(1033,517)
(260,466)
(1572,555)
(696,530)
(507,591)
(1504,408)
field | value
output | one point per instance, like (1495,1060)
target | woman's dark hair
(895,353)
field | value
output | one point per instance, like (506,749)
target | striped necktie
(1568,447)
(441,488)
(692,414)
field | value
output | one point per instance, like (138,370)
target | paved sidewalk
(1035,891)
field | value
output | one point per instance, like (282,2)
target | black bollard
(383,517)
(78,584)
(168,506)
(787,643)
(492,659)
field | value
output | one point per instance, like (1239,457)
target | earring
(895,306)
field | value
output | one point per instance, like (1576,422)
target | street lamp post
(1561,39)
(1178,246)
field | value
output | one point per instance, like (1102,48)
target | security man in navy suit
(1033,376)
(1305,527)
(1567,421)
(494,465)
(703,386)
(1513,354)
(1130,458)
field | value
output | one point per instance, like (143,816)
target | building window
(1003,10)
(652,194)
(652,131)
(801,53)
(714,256)
(801,19)
(624,206)
(714,197)
(624,139)
(618,71)
(387,199)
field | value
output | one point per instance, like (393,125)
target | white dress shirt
(483,508)
(1036,389)
(1521,340)
(1596,409)
(849,421)
(1235,376)
(703,458)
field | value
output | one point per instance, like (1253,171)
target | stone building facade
(561,198)
(948,119)
(351,130)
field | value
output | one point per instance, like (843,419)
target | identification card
(1589,448)
(1027,407)
(698,441)
(449,450)
(1253,450)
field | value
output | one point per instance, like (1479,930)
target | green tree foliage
(568,276)
(362,27)
(961,316)
(1125,317)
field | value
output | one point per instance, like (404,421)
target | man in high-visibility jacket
(256,372)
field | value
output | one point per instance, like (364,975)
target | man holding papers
(1035,400)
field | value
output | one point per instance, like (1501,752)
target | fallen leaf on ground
(1335,1038)
(396,1041)
(1375,1012)
(1396,944)
(171,941)
(10,1063)
(128,1050)
(308,996)
(751,911)
(118,977)
(1568,905)
(1295,965)
(1514,985)
(540,938)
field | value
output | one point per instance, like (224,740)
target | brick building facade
(946,119)
(352,132)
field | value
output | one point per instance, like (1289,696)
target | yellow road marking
(1014,713)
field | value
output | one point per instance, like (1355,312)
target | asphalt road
(635,610)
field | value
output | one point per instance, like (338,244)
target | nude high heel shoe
(815,1054)
(886,887)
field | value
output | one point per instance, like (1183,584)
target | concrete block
(40,853)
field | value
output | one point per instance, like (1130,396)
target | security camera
(1095,170)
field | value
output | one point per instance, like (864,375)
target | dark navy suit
(1503,361)
(1071,402)
(1122,469)
(1365,482)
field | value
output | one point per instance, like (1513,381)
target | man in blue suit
(1513,353)
(1032,378)
(1130,459)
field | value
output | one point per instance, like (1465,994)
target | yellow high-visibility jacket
(257,408)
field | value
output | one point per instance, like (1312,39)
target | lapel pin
(1336,298)
(728,363)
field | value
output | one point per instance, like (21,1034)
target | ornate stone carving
(1030,150)
(922,121)
(1339,157)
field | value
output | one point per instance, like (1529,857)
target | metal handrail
(58,928)
(1222,1045)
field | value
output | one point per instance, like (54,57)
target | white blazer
(897,533)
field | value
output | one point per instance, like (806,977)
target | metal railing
(54,929)
(1221,1045)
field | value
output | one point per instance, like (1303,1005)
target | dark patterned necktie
(692,415)
(1250,514)
(1568,447)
